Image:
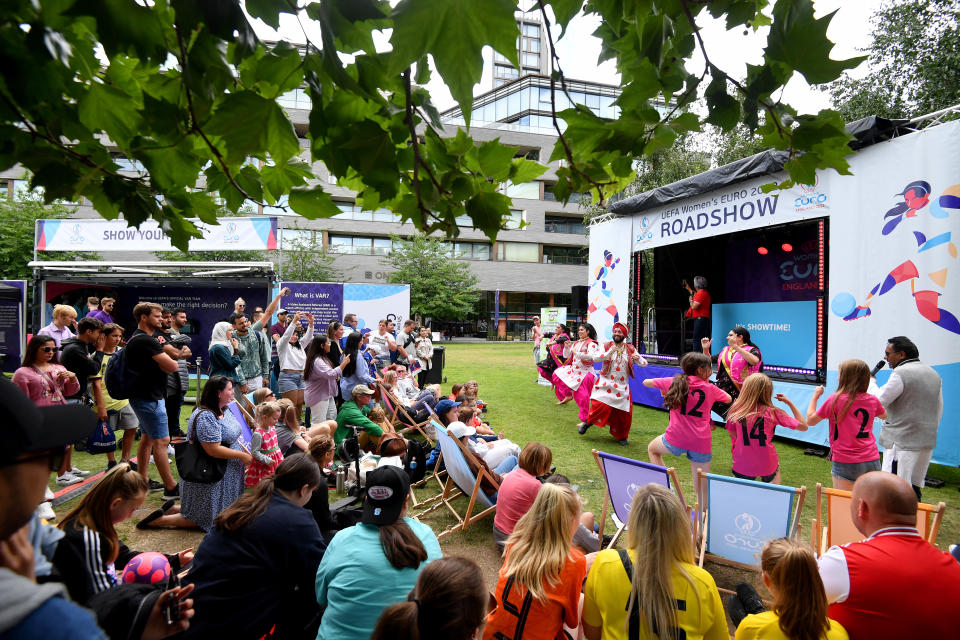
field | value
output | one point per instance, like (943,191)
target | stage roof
(866,132)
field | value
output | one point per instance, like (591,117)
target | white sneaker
(170,451)
(47,494)
(45,511)
(80,473)
(67,479)
(152,461)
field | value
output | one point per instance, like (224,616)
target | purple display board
(323,299)
(205,305)
(12,328)
(786,272)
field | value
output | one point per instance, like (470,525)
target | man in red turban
(610,403)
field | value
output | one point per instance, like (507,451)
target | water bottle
(341,478)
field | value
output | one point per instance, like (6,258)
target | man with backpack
(142,368)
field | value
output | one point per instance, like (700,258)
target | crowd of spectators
(278,560)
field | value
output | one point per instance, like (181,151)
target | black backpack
(120,379)
(415,462)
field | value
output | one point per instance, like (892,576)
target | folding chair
(246,422)
(623,476)
(397,411)
(839,528)
(738,516)
(460,482)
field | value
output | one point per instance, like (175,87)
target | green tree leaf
(312,202)
(248,124)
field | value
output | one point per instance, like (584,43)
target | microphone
(876,368)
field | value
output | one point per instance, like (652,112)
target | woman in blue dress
(219,433)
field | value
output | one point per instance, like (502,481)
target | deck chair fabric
(623,476)
(739,516)
(398,412)
(838,527)
(460,481)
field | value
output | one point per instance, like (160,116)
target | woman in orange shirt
(538,589)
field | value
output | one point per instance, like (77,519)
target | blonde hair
(260,394)
(320,445)
(800,601)
(755,396)
(658,533)
(541,541)
(853,378)
(266,409)
(286,404)
(390,378)
(378,415)
(64,310)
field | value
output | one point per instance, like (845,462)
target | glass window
(532,30)
(524,121)
(275,209)
(528,190)
(464,221)
(501,112)
(544,96)
(578,97)
(515,220)
(340,244)
(593,100)
(382,246)
(520,251)
(531,44)
(525,99)
(481,251)
(606,106)
(513,104)
(500,59)
(531,60)
(360,214)
(296,238)
(563,224)
(4,188)
(385,215)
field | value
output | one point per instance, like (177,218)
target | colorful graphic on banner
(785,332)
(12,326)
(257,233)
(609,275)
(375,302)
(734,208)
(894,261)
(550,317)
(323,299)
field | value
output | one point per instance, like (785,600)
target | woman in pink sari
(575,379)
(739,359)
(558,352)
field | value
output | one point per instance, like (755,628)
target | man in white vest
(913,398)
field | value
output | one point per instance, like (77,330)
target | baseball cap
(387,489)
(362,389)
(29,428)
(281,312)
(445,405)
(458,429)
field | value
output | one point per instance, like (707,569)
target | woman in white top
(292,358)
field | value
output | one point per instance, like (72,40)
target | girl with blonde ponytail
(636,594)
(799,601)
(538,589)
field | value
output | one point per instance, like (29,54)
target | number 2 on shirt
(695,411)
(864,421)
(757,433)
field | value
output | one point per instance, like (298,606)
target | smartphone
(171,610)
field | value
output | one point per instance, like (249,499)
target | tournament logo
(76,236)
(810,197)
(748,538)
(645,232)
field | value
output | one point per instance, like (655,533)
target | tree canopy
(188,91)
(914,63)
(439,287)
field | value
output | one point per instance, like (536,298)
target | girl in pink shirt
(689,396)
(851,412)
(751,421)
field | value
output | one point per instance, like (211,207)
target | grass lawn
(527,411)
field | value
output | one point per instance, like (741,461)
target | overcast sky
(729,50)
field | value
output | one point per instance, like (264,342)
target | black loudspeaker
(579,297)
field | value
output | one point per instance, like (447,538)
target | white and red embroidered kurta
(613,380)
(585,353)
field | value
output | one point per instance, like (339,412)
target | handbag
(194,464)
(102,440)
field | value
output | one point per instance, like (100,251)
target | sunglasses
(55,456)
(48,349)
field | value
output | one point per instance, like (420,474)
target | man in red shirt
(894,584)
(699,310)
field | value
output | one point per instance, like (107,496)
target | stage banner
(609,275)
(375,302)
(323,299)
(13,304)
(785,332)
(734,208)
(550,317)
(257,234)
(894,267)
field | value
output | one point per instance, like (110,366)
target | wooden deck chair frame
(929,518)
(397,410)
(704,515)
(450,491)
(435,474)
(622,526)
